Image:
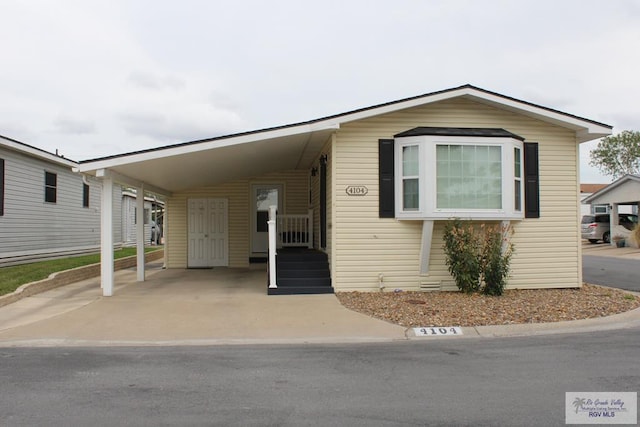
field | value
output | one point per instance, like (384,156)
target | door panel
(208,234)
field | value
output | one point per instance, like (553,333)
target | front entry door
(208,233)
(263,196)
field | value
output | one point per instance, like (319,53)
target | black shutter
(1,187)
(386,184)
(531,180)
(323,202)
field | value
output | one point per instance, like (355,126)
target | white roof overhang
(35,152)
(208,162)
(625,190)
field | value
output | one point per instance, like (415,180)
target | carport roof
(210,161)
(625,190)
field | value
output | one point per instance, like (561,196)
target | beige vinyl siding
(238,194)
(547,249)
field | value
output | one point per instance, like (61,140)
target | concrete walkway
(218,306)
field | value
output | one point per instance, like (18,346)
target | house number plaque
(357,190)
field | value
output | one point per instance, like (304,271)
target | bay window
(470,174)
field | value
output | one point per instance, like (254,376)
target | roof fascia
(610,187)
(586,130)
(309,128)
(28,150)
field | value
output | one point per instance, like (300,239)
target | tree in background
(618,155)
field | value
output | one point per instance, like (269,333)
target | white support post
(106,237)
(614,221)
(425,247)
(140,233)
(272,246)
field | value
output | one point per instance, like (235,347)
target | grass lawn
(13,277)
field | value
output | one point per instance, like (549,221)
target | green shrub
(461,246)
(478,259)
(496,257)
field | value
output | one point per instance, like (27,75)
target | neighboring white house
(47,210)
(586,190)
(153,210)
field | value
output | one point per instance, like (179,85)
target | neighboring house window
(85,195)
(50,187)
(145,214)
(1,187)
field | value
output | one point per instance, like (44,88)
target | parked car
(156,233)
(597,227)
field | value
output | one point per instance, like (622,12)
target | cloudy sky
(91,78)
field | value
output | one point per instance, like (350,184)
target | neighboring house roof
(625,190)
(295,146)
(28,150)
(591,188)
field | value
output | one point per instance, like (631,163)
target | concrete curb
(66,277)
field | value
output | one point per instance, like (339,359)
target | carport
(624,191)
(166,170)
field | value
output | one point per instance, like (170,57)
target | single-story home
(620,194)
(367,192)
(152,214)
(47,210)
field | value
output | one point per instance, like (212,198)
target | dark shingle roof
(477,132)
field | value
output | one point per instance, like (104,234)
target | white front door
(208,233)
(263,196)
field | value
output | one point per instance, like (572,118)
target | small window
(517,179)
(85,195)
(410,178)
(50,187)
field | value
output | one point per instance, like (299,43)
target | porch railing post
(272,246)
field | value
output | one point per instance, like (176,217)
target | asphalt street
(479,382)
(609,271)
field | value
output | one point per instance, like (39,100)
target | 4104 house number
(357,190)
(427,332)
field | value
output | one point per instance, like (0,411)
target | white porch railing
(287,231)
(295,230)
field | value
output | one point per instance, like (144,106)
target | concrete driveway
(221,305)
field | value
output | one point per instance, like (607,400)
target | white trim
(585,130)
(428,179)
(140,268)
(425,247)
(592,199)
(132,182)
(34,152)
(106,237)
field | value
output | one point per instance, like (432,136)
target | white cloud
(109,76)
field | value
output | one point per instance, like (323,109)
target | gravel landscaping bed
(413,309)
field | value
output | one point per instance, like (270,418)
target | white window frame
(428,184)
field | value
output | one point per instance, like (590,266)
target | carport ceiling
(177,170)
